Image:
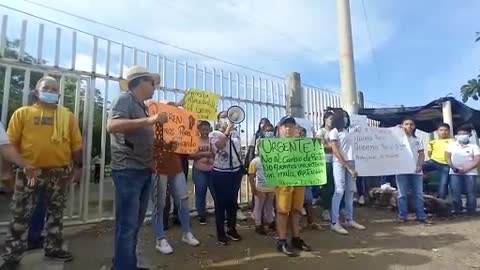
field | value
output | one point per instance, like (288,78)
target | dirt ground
(449,244)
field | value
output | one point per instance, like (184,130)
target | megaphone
(236,115)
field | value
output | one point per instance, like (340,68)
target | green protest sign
(293,161)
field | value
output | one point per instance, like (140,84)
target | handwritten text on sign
(203,104)
(293,161)
(181,127)
(382,151)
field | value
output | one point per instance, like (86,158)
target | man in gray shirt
(131,131)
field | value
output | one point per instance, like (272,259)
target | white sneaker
(387,187)
(326,215)
(355,225)
(304,212)
(241,216)
(189,239)
(338,229)
(361,200)
(163,246)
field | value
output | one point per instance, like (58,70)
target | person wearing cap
(344,174)
(289,200)
(131,134)
(48,137)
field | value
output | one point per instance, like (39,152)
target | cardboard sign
(202,103)
(293,161)
(381,151)
(180,128)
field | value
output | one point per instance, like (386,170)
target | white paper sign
(382,151)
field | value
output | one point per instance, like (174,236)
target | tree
(17,82)
(472,88)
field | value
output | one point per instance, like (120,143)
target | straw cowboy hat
(136,72)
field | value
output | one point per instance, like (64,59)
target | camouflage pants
(54,183)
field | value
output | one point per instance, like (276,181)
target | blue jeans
(343,186)
(443,171)
(412,183)
(467,183)
(202,180)
(132,188)
(360,183)
(37,221)
(178,188)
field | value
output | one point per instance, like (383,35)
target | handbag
(243,169)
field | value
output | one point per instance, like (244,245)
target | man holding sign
(289,191)
(130,127)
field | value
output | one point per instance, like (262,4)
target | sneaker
(401,220)
(241,216)
(326,215)
(361,200)
(203,221)
(163,246)
(282,246)
(338,229)
(387,187)
(59,255)
(355,225)
(222,241)
(303,212)
(10,265)
(233,234)
(425,221)
(259,229)
(189,239)
(298,243)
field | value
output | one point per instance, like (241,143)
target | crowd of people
(43,140)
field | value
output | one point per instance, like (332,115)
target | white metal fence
(89,82)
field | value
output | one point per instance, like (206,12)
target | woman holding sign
(226,178)
(344,174)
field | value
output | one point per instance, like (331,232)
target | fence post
(294,95)
(447,114)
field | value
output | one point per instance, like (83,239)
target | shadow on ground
(449,244)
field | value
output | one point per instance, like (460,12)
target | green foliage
(16,96)
(472,88)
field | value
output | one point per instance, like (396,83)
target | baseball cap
(287,119)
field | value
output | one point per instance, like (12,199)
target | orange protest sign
(180,128)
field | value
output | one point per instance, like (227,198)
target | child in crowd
(264,194)
(289,200)
(436,151)
(344,174)
(412,182)
(201,173)
(463,158)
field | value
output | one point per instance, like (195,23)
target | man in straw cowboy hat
(48,137)
(131,131)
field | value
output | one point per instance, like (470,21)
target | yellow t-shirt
(30,130)
(438,148)
(256,168)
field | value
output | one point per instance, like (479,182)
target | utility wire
(151,39)
(372,50)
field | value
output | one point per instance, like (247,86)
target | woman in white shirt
(463,158)
(226,176)
(344,174)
